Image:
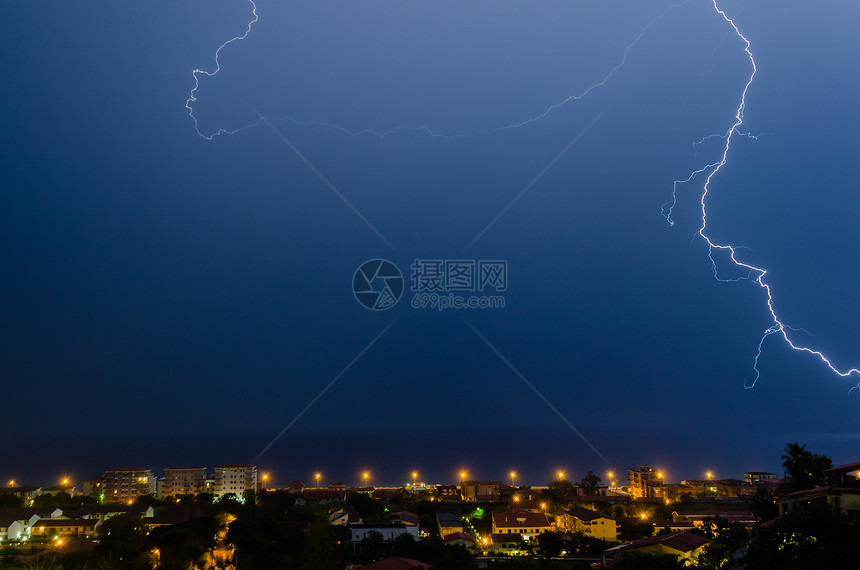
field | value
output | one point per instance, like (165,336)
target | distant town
(233,516)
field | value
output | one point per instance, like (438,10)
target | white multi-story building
(179,482)
(235,478)
(126,485)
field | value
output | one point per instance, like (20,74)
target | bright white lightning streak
(406,128)
(778,327)
(192,95)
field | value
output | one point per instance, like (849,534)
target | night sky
(172,301)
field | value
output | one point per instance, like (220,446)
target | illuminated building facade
(126,485)
(235,478)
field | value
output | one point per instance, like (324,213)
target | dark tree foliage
(817,537)
(560,491)
(590,484)
(635,531)
(642,561)
(320,552)
(803,469)
(580,544)
(549,545)
(368,508)
(763,505)
(727,537)
(7,500)
(183,544)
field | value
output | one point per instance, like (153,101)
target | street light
(513,477)
(560,475)
(365,476)
(709,475)
(414,477)
(265,479)
(317,476)
(11,482)
(463,475)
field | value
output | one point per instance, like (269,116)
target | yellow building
(589,522)
(520,521)
(685,545)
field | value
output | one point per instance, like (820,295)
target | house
(685,545)
(842,491)
(587,521)
(104,512)
(449,493)
(482,490)
(127,484)
(320,497)
(724,488)
(235,478)
(506,543)
(523,522)
(462,538)
(645,481)
(93,487)
(389,531)
(65,528)
(343,516)
(754,477)
(24,492)
(17,523)
(405,517)
(448,523)
(698,517)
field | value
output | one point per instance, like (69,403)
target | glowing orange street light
(513,477)
(709,475)
(317,476)
(65,481)
(414,477)
(463,475)
(560,475)
(11,482)
(659,474)
(365,477)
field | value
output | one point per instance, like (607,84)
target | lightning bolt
(429,131)
(758,274)
(192,96)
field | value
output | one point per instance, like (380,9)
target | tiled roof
(681,541)
(847,466)
(459,535)
(587,514)
(520,518)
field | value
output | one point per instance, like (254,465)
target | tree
(815,537)
(550,545)
(763,505)
(320,547)
(641,561)
(8,500)
(560,491)
(803,469)
(590,484)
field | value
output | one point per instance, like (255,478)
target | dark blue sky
(169,300)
